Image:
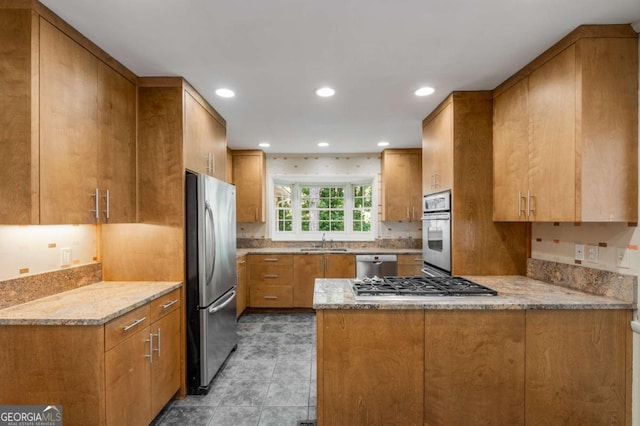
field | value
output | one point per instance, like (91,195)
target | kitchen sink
(324,249)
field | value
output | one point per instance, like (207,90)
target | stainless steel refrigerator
(211,278)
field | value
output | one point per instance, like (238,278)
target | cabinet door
(19,146)
(479,353)
(576,370)
(410,264)
(437,152)
(128,381)
(116,146)
(205,140)
(552,121)
(306,268)
(511,153)
(241,295)
(402,185)
(248,176)
(68,129)
(371,367)
(340,266)
(165,365)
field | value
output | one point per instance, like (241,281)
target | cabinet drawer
(121,328)
(410,259)
(271,274)
(271,259)
(271,297)
(165,304)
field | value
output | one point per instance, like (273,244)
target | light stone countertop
(514,292)
(94,304)
(297,250)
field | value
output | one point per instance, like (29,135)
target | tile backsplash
(29,250)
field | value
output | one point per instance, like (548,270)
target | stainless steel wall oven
(436,233)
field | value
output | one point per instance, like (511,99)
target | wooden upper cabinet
(437,150)
(68,129)
(205,143)
(511,153)
(72,132)
(116,146)
(19,164)
(401,184)
(574,111)
(249,168)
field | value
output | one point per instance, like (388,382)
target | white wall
(37,248)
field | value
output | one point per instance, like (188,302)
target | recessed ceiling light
(264,144)
(325,92)
(424,91)
(323,144)
(383,143)
(225,93)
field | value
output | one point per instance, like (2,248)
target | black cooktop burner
(419,286)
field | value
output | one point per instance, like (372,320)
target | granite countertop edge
(92,305)
(514,293)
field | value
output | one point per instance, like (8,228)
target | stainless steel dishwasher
(376,265)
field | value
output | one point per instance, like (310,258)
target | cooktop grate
(419,286)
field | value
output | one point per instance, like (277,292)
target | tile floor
(269,380)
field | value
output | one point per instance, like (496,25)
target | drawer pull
(271,276)
(271,297)
(271,259)
(242,262)
(169,304)
(133,324)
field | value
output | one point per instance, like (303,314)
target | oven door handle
(438,216)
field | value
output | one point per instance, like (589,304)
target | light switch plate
(579,252)
(65,257)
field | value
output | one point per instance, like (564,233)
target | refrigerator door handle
(216,308)
(210,242)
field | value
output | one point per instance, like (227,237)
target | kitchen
(147,250)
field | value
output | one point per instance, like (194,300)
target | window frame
(297,182)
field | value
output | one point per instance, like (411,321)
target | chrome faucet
(324,239)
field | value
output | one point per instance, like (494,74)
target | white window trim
(320,180)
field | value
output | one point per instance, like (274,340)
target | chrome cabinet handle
(107,209)
(271,275)
(529,203)
(96,196)
(271,259)
(150,356)
(158,337)
(168,304)
(271,297)
(133,324)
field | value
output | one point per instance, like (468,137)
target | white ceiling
(375,53)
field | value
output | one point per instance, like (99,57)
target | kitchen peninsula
(534,354)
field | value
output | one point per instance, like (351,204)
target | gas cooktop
(416,287)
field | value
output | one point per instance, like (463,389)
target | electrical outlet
(622,258)
(579,252)
(592,254)
(65,257)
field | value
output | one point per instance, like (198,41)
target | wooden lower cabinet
(410,264)
(578,369)
(102,374)
(308,267)
(242,289)
(370,367)
(474,367)
(463,367)
(270,281)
